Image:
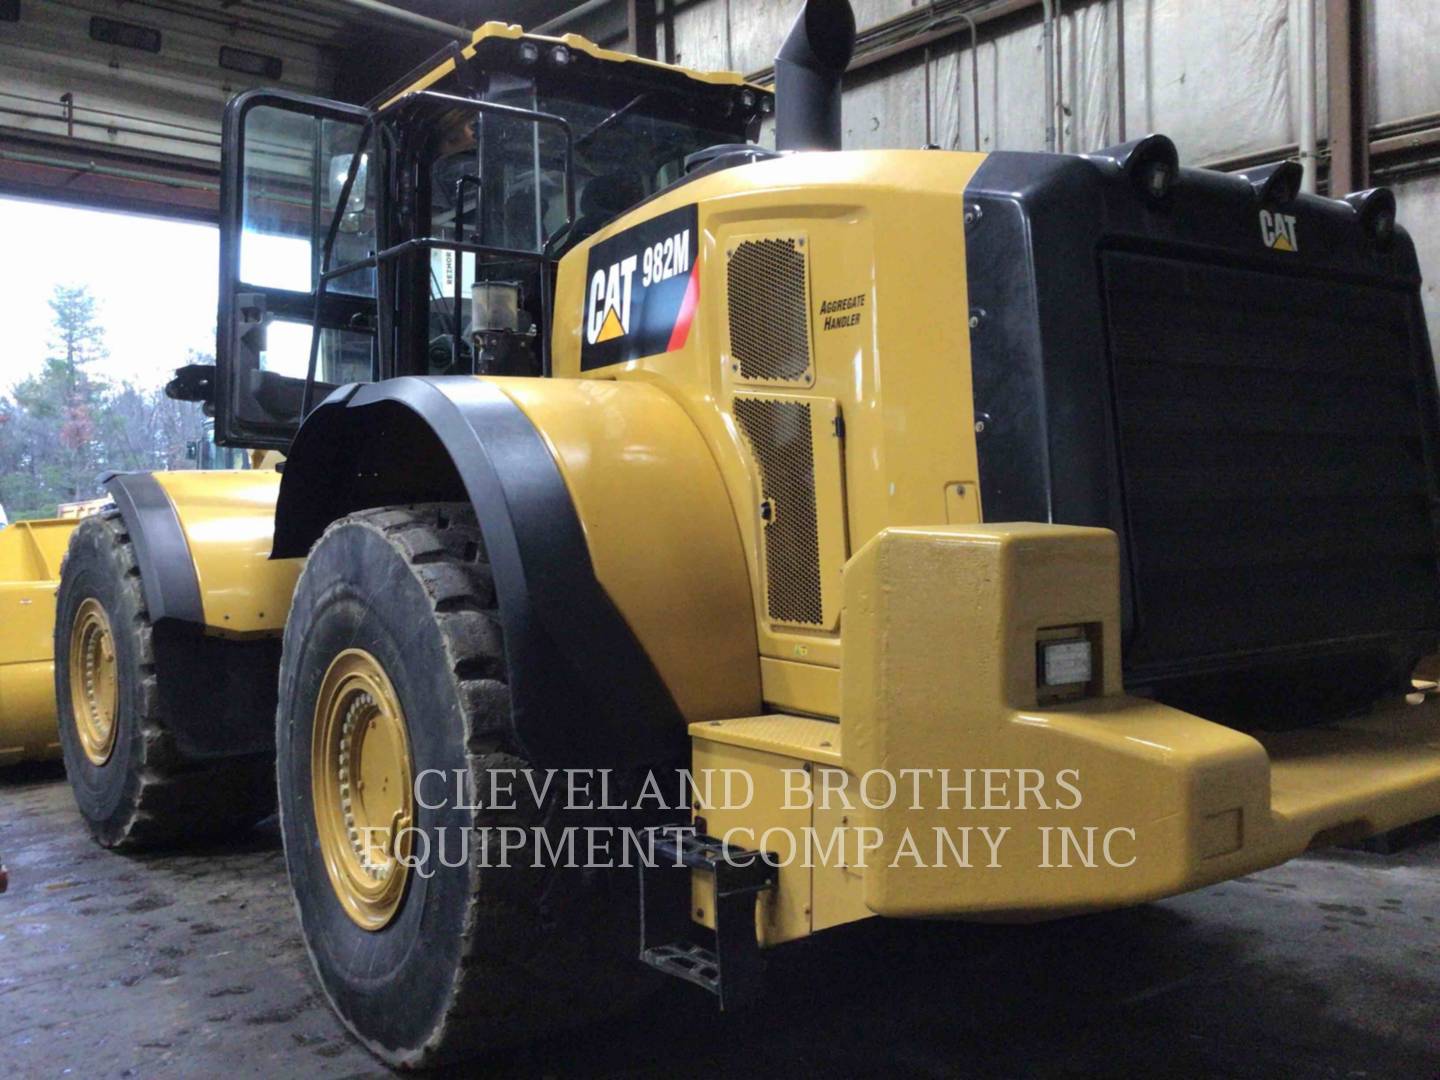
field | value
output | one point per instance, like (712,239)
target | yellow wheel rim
(363,788)
(94,690)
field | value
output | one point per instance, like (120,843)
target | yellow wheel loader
(30,556)
(1026,534)
(31,553)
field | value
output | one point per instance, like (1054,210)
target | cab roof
(508,36)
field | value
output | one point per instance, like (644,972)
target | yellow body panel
(1096,803)
(908,438)
(495,29)
(771,753)
(660,532)
(228,518)
(31,551)
(801,688)
(30,556)
(788,759)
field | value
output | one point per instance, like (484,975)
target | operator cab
(419,235)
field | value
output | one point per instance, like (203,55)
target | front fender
(618,565)
(217,601)
(202,541)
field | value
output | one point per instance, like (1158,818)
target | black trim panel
(1064,362)
(583,690)
(167,570)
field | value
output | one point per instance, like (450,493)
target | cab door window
(286,160)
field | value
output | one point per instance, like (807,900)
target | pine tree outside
(70,408)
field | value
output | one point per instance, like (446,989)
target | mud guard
(167,572)
(218,691)
(583,690)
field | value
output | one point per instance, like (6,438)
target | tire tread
(507,979)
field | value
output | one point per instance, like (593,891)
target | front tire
(394,640)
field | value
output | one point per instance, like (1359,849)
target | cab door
(286,157)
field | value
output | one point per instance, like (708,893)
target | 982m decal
(642,289)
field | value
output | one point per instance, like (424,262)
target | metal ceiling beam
(567,17)
(286,23)
(406,18)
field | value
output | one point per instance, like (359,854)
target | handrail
(325,253)
(406,247)
(378,116)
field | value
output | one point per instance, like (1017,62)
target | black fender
(583,690)
(167,571)
(218,693)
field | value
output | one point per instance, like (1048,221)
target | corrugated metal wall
(1220,78)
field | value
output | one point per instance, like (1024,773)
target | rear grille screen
(1271,445)
(779,434)
(769,309)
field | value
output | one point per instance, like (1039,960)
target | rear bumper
(1350,780)
(1106,801)
(1173,802)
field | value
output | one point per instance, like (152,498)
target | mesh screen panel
(769,330)
(779,434)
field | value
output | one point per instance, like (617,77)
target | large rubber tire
(474,958)
(147,793)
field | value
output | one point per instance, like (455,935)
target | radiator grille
(779,434)
(1272,454)
(769,309)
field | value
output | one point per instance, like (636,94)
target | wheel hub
(94,687)
(362,786)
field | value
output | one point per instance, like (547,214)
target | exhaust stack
(808,68)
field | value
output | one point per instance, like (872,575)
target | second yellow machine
(1090,502)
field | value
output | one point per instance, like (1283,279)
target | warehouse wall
(1220,78)
(130,100)
(1405,83)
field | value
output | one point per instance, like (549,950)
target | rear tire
(133,785)
(475,956)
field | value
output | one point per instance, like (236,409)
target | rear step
(734,969)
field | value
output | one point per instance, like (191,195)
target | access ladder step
(733,970)
(693,963)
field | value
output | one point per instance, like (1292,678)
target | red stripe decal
(681,333)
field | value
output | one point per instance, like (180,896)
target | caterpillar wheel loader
(31,554)
(1091,497)
(30,557)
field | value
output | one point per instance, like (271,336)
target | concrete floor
(192,965)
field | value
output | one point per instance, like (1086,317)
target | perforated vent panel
(769,327)
(779,434)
